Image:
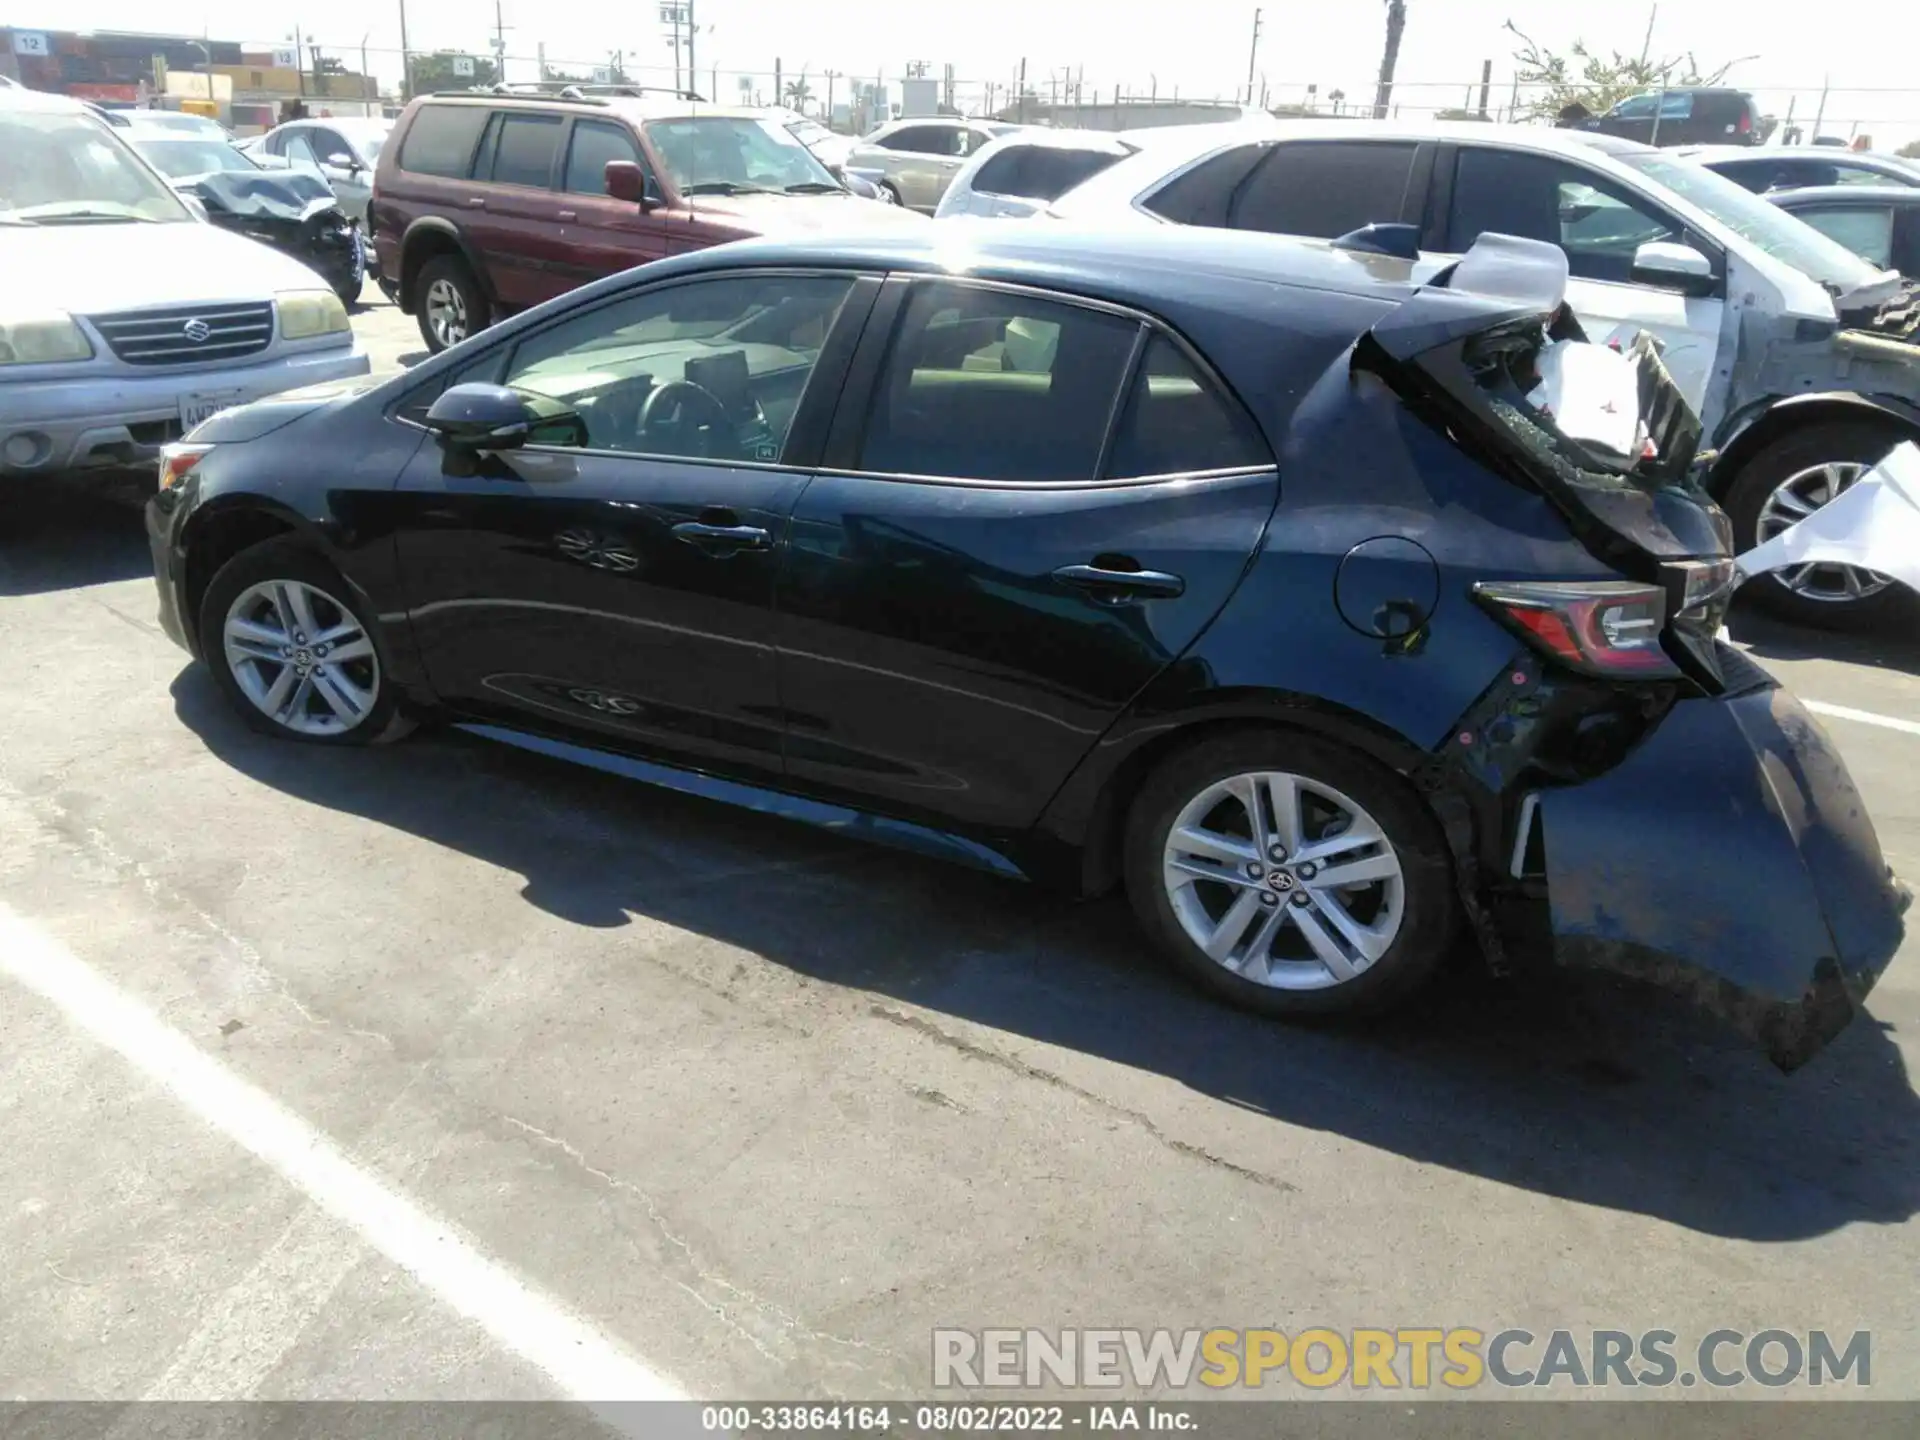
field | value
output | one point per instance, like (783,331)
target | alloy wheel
(1283,881)
(446,312)
(1797,497)
(301,658)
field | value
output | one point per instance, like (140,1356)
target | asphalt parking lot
(443,1070)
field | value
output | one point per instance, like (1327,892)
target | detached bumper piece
(1729,857)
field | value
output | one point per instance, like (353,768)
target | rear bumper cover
(1729,857)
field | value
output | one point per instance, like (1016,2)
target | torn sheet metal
(1729,858)
(1874,525)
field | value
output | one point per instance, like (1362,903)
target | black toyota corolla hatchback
(1237,571)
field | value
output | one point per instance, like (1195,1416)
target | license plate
(198,405)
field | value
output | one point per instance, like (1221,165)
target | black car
(1694,115)
(1206,563)
(1879,223)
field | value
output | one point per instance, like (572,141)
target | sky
(1199,46)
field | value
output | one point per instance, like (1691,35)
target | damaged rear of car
(1630,790)
(295,212)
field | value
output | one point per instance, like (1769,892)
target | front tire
(1291,875)
(452,307)
(292,650)
(1787,482)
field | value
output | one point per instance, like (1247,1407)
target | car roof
(1871,159)
(637,108)
(1809,195)
(19,97)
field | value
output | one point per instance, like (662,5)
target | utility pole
(692,70)
(1486,84)
(406,65)
(1646,46)
(1390,59)
(499,45)
(832,75)
(1253,54)
(1023,90)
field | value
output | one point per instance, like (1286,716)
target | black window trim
(1142,201)
(854,407)
(1440,214)
(806,436)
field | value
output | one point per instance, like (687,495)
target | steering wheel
(673,414)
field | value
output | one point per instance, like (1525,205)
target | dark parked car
(1880,224)
(1695,116)
(1002,556)
(1792,167)
(486,203)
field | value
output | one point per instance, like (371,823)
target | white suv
(125,318)
(1802,361)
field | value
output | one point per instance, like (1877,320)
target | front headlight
(42,340)
(305,314)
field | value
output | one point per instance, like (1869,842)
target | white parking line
(1863,717)
(585,1364)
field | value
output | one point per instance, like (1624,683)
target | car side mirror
(481,417)
(627,181)
(1671,266)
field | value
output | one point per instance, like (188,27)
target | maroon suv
(487,203)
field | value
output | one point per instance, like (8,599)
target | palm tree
(1390,58)
(799,92)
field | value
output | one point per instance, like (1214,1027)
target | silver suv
(126,319)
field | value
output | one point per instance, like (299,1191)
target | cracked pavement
(766,1106)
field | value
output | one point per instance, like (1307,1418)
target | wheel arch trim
(435,229)
(1760,425)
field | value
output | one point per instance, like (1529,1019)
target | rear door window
(1325,190)
(1178,421)
(984,384)
(925,140)
(441,140)
(1204,194)
(524,150)
(1537,197)
(594,144)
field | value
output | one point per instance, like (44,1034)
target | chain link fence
(1039,92)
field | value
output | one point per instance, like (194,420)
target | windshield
(810,132)
(65,168)
(734,155)
(1757,221)
(192,157)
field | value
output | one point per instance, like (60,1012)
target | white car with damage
(125,318)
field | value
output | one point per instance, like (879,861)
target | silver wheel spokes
(1283,881)
(301,658)
(1799,496)
(446,312)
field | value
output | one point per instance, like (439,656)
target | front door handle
(476,202)
(1116,585)
(723,538)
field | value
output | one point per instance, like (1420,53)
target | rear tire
(292,649)
(1790,479)
(1290,935)
(452,307)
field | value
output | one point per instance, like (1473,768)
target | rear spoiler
(1502,279)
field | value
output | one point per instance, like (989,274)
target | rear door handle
(569,215)
(723,538)
(476,202)
(1121,584)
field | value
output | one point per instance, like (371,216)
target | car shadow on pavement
(1892,646)
(66,536)
(1574,1086)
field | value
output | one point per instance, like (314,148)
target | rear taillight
(1746,122)
(1603,627)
